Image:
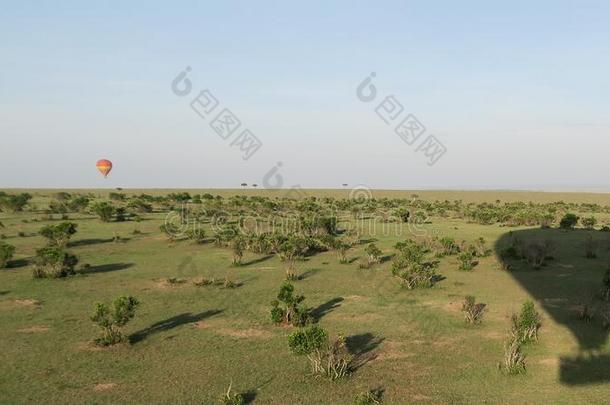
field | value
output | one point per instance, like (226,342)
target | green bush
(411,268)
(59,235)
(306,340)
(197,234)
(448,247)
(372,397)
(78,204)
(569,221)
(525,326)
(288,308)
(589,222)
(6,253)
(111,318)
(14,203)
(54,262)
(104,210)
(238,245)
(467,261)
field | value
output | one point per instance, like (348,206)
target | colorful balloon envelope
(104,166)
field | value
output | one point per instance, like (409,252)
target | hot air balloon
(104,166)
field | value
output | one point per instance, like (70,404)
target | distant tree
(403,214)
(62,196)
(589,222)
(244,184)
(104,210)
(569,221)
(14,203)
(116,196)
(238,245)
(6,253)
(254,185)
(59,235)
(78,204)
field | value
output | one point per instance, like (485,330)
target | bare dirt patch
(104,386)
(32,303)
(550,361)
(392,350)
(34,329)
(238,333)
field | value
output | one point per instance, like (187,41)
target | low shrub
(306,340)
(514,359)
(372,397)
(111,318)
(332,360)
(467,261)
(54,262)
(288,308)
(526,325)
(448,247)
(473,312)
(104,210)
(6,253)
(327,358)
(589,222)
(569,221)
(197,235)
(537,253)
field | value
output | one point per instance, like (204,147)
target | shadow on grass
(256,261)
(17,263)
(4,292)
(171,323)
(105,268)
(362,347)
(560,286)
(87,242)
(249,396)
(308,273)
(318,312)
(593,369)
(387,258)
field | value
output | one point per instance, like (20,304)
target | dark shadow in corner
(256,261)
(567,280)
(87,242)
(171,323)
(362,347)
(318,312)
(105,268)
(593,369)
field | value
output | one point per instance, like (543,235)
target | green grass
(191,342)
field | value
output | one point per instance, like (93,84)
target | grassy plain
(189,343)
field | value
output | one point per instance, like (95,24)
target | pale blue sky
(519,93)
